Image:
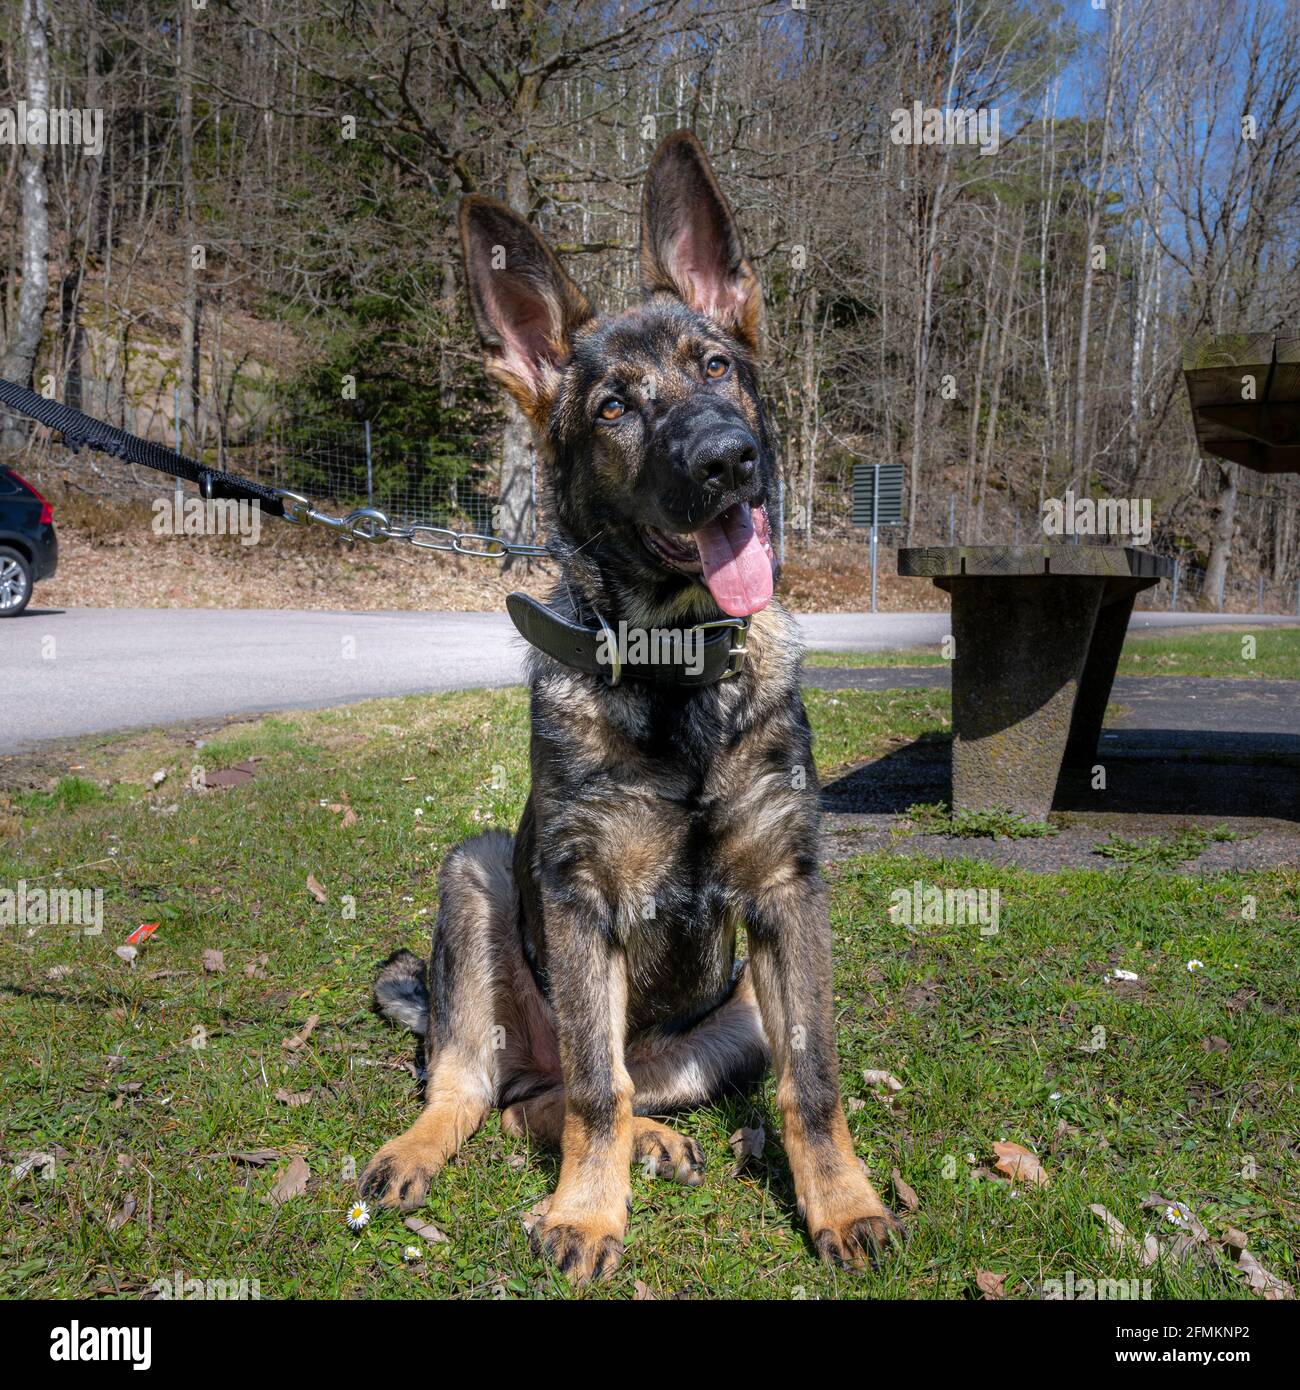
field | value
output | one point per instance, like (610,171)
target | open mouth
(732,554)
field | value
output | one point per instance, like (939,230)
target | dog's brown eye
(612,408)
(716,368)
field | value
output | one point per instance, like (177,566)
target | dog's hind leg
(726,1050)
(476,930)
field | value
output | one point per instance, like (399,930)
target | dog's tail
(402,991)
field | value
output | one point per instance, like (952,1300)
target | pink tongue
(736,566)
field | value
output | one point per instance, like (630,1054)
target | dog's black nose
(724,460)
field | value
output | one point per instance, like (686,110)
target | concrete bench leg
(1099,672)
(1022,645)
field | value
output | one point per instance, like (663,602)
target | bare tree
(25,340)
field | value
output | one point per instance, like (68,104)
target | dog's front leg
(582,1229)
(790,947)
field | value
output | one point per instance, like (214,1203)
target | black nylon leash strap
(80,430)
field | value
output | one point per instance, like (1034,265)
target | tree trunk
(189,363)
(1079,438)
(20,356)
(1225,509)
(808,408)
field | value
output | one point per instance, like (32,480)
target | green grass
(938,818)
(143,1081)
(900,656)
(1215,653)
(1166,851)
(1155,653)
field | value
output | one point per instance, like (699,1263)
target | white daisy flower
(358,1215)
(1195,965)
(1178,1215)
(412,1253)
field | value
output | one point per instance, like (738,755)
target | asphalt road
(94,670)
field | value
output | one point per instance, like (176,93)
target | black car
(29,549)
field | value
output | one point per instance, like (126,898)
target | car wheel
(15,582)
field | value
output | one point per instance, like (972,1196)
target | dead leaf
(746,1144)
(234,776)
(642,1293)
(904,1193)
(426,1230)
(256,1158)
(534,1214)
(1020,1164)
(299,1039)
(57,972)
(214,962)
(314,888)
(1235,1240)
(1146,1252)
(882,1078)
(1267,1285)
(159,777)
(127,953)
(121,1217)
(293,1099)
(1214,1043)
(990,1284)
(254,969)
(38,1162)
(291,1182)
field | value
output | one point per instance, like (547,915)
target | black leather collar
(721,652)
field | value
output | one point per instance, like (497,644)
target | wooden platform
(1245,395)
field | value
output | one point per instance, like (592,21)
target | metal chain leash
(366,523)
(371,524)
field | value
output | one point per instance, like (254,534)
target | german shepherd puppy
(584,974)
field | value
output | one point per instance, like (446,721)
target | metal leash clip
(372,525)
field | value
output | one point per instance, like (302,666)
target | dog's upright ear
(526,309)
(689,242)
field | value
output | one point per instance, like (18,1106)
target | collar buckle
(738,651)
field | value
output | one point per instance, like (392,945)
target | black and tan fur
(584,976)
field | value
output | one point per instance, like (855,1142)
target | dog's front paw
(663,1153)
(582,1245)
(398,1176)
(849,1224)
(850,1242)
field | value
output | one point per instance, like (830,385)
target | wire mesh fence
(340,465)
